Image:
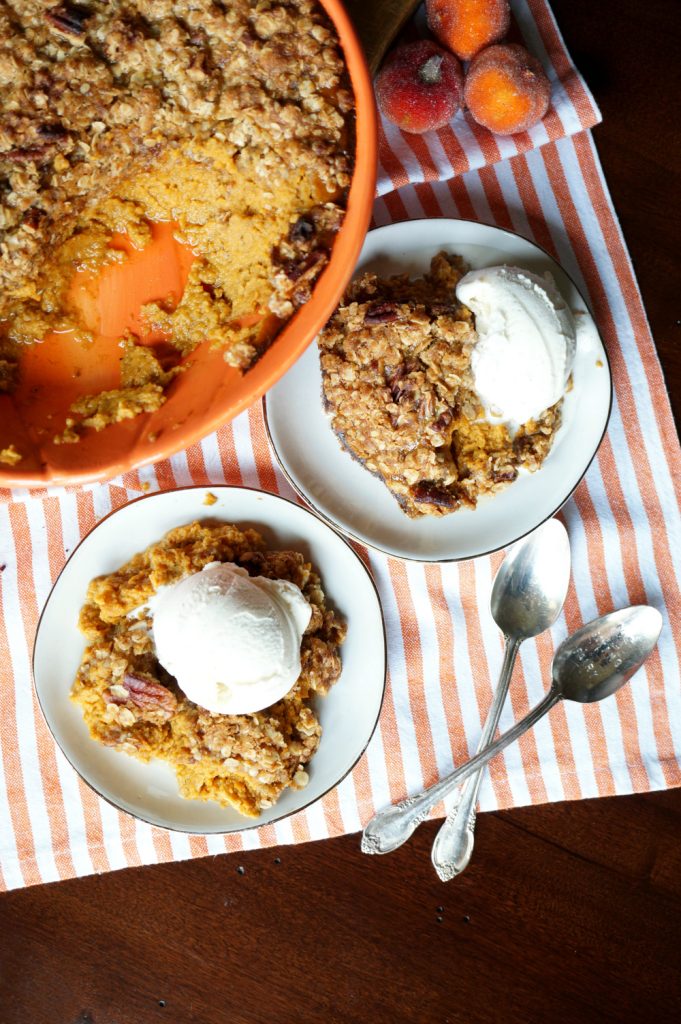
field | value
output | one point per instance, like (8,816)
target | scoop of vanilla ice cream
(232,641)
(526,342)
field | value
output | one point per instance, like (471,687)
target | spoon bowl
(530,587)
(604,654)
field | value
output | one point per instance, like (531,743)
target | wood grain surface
(568,913)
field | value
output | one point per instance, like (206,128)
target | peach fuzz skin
(506,89)
(466,26)
(420,88)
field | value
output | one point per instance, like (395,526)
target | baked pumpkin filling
(232,123)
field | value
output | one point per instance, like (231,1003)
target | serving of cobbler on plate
(132,703)
(397,383)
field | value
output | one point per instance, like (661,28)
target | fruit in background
(506,89)
(420,87)
(466,26)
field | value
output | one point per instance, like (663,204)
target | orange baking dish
(210,393)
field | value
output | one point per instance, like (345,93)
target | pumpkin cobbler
(397,383)
(130,702)
(231,121)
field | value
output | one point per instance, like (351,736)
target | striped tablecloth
(444,650)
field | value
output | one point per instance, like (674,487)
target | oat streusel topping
(396,379)
(131,703)
(234,121)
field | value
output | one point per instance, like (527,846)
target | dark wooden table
(568,913)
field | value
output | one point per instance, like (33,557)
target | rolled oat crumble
(396,380)
(131,703)
(232,121)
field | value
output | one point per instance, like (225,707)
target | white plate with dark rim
(348,497)
(348,714)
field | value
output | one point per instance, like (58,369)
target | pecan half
(68,18)
(145,694)
(51,137)
(381,313)
(28,154)
(428,493)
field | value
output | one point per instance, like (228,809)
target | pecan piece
(301,230)
(54,132)
(394,382)
(505,475)
(33,216)
(51,137)
(381,313)
(306,273)
(28,154)
(68,18)
(395,379)
(145,694)
(426,492)
(523,445)
(443,420)
(304,267)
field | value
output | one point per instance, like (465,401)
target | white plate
(354,501)
(348,714)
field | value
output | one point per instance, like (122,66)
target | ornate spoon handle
(453,846)
(393,826)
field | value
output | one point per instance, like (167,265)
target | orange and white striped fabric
(444,650)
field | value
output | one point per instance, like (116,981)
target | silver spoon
(588,666)
(528,593)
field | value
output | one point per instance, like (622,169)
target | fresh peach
(466,26)
(506,89)
(420,87)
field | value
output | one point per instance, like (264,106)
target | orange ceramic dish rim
(291,341)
